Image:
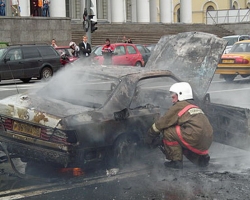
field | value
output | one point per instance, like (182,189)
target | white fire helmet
(72,43)
(183,90)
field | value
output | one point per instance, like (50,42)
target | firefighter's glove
(151,138)
(156,142)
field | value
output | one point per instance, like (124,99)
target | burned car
(104,112)
(78,123)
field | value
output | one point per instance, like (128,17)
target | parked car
(145,52)
(104,112)
(124,54)
(236,62)
(150,47)
(66,54)
(232,39)
(28,61)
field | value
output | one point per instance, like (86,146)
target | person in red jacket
(107,52)
(186,129)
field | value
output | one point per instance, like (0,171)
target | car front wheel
(125,149)
(46,73)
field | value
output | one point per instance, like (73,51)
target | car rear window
(31,52)
(45,51)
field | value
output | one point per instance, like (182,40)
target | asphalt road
(227,176)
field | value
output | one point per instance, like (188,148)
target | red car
(66,55)
(124,54)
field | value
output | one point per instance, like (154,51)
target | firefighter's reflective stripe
(155,129)
(170,143)
(186,109)
(197,151)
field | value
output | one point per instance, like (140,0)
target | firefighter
(185,130)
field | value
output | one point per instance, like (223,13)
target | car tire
(138,64)
(229,77)
(46,73)
(125,150)
(25,80)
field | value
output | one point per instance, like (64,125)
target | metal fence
(227,16)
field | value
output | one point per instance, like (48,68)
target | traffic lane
(225,178)
(235,93)
(13,87)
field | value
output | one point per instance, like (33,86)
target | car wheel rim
(47,74)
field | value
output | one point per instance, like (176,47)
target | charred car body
(105,111)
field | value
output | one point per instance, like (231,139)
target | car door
(132,55)
(12,64)
(120,57)
(33,61)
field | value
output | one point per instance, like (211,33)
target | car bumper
(233,70)
(36,152)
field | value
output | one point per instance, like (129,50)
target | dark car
(28,61)
(104,112)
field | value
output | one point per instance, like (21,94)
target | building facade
(136,11)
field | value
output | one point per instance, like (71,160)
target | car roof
(243,41)
(233,36)
(62,47)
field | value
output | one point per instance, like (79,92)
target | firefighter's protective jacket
(192,126)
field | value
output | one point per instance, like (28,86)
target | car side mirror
(121,115)
(6,59)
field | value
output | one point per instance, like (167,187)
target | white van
(232,39)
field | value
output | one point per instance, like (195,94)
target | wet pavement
(227,177)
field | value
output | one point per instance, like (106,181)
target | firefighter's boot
(174,164)
(203,161)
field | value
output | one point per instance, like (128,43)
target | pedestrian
(34,9)
(15,8)
(53,43)
(124,39)
(185,130)
(46,8)
(85,47)
(2,8)
(40,8)
(107,52)
(75,49)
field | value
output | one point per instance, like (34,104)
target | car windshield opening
(81,88)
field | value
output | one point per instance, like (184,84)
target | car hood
(47,112)
(191,56)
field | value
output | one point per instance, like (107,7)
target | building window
(210,8)
(179,15)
